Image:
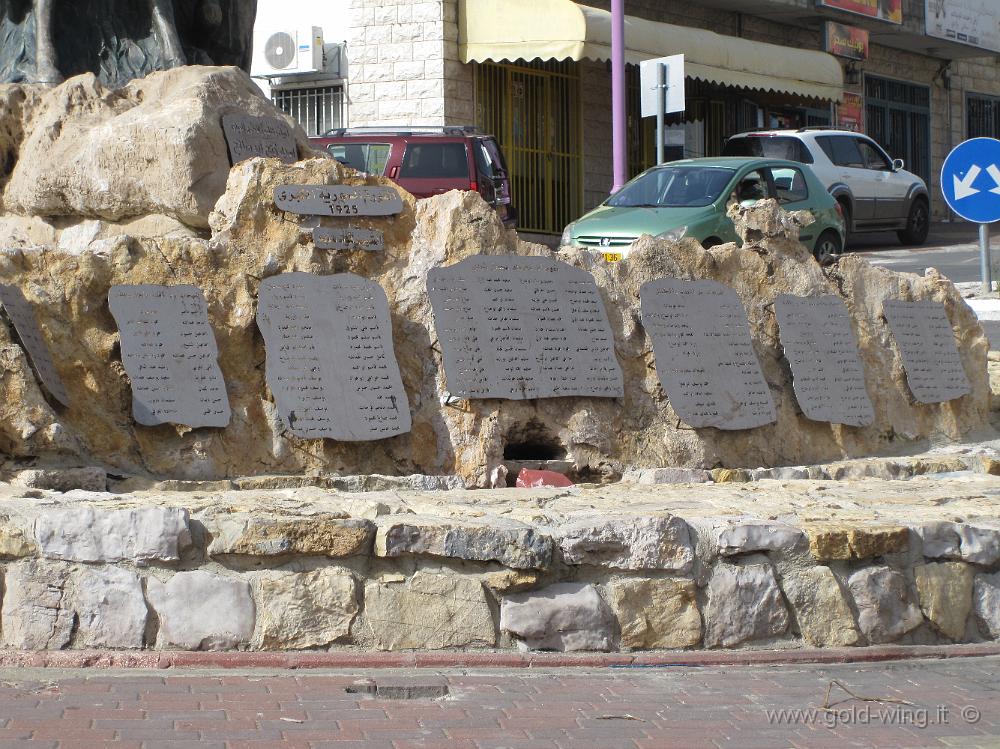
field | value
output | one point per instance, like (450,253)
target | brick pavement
(929,703)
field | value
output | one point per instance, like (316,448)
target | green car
(689,198)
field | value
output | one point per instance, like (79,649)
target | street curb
(110,659)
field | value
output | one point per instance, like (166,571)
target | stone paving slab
(952,703)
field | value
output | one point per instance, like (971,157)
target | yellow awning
(511,30)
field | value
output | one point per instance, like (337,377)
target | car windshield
(673,187)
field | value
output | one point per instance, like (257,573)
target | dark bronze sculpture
(45,41)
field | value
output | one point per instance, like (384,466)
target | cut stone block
(110,607)
(268,536)
(945,593)
(35,613)
(886,610)
(93,534)
(656,613)
(199,610)
(630,543)
(821,609)
(744,603)
(304,610)
(564,617)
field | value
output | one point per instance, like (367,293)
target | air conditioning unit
(286,52)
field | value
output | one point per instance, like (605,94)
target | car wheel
(828,246)
(917,224)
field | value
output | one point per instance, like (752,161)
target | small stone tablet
(519,327)
(170,355)
(349,240)
(704,354)
(926,342)
(827,374)
(248,136)
(338,200)
(330,360)
(20,312)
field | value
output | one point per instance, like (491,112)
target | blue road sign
(970,180)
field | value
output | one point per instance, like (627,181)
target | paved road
(952,249)
(950,703)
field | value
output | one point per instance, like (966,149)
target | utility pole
(619,135)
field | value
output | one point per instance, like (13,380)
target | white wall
(274,15)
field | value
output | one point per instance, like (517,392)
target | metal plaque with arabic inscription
(330,358)
(248,136)
(926,341)
(704,354)
(827,374)
(366,240)
(170,355)
(520,327)
(22,315)
(338,200)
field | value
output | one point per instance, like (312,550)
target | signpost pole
(984,257)
(661,108)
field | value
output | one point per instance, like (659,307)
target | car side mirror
(897,165)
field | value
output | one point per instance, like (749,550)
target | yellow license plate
(612,257)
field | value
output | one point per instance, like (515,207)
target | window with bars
(317,108)
(982,119)
(898,116)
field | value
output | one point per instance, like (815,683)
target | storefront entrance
(898,116)
(534,111)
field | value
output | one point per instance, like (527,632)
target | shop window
(983,116)
(316,108)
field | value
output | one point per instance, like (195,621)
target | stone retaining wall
(673,567)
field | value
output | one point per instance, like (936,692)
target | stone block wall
(404,64)
(286,566)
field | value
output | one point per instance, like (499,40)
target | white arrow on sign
(995,174)
(963,187)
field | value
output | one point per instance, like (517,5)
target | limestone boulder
(742,537)
(976,543)
(34,615)
(886,608)
(986,603)
(666,476)
(823,614)
(945,593)
(89,478)
(661,613)
(630,543)
(93,534)
(744,603)
(834,542)
(564,617)
(513,544)
(270,536)
(153,147)
(298,610)
(200,610)
(110,608)
(428,611)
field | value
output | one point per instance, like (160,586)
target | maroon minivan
(427,161)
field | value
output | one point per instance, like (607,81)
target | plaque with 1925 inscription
(349,240)
(22,315)
(519,327)
(704,354)
(170,355)
(248,136)
(827,374)
(338,200)
(934,370)
(330,359)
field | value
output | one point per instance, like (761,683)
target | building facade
(536,74)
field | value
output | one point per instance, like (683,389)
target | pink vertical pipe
(618,134)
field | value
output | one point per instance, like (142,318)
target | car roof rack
(824,127)
(406,130)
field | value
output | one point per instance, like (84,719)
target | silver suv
(874,191)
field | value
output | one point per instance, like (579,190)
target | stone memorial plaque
(827,374)
(170,355)
(330,360)
(926,342)
(350,240)
(338,200)
(523,327)
(22,315)
(704,354)
(248,136)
